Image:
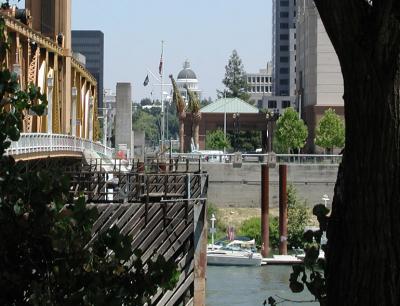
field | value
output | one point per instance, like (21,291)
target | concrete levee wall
(241,187)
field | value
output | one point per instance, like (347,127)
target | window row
(260,89)
(259,79)
(274,104)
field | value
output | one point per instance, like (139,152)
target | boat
(231,256)
(235,253)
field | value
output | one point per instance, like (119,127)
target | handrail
(255,158)
(43,142)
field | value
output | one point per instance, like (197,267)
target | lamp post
(325,198)
(105,124)
(90,125)
(212,229)
(271,118)
(74,94)
(50,86)
(236,129)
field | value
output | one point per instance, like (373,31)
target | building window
(249,79)
(284,37)
(262,80)
(262,89)
(284,59)
(258,88)
(283,82)
(283,70)
(284,48)
(254,79)
(284,3)
(258,79)
(253,89)
(269,88)
(285,104)
(259,103)
(271,104)
(284,25)
(284,14)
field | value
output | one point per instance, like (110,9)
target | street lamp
(74,94)
(105,124)
(50,86)
(91,103)
(325,198)
(236,129)
(212,229)
(271,118)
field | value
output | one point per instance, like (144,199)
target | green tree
(252,228)
(149,123)
(298,217)
(216,140)
(181,112)
(46,253)
(291,132)
(146,101)
(330,131)
(235,79)
(246,141)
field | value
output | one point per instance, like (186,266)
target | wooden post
(264,210)
(282,210)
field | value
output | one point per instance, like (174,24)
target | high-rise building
(319,76)
(259,85)
(284,47)
(91,45)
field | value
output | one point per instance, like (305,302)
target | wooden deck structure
(164,213)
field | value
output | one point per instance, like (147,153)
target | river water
(250,286)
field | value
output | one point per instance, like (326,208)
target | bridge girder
(39,57)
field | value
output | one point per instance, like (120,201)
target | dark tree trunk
(181,134)
(364,228)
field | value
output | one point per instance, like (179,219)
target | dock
(281,260)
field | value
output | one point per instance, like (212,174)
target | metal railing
(42,142)
(260,158)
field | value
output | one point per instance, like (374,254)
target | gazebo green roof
(230,105)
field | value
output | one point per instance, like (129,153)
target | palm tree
(181,111)
(194,108)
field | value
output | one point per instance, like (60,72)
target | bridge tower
(52,18)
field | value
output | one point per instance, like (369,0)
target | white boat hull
(233,259)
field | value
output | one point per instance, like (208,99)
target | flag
(161,58)
(146,81)
(160,66)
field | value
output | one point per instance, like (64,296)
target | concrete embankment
(241,187)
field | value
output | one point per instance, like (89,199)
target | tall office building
(284,47)
(320,81)
(91,45)
(260,85)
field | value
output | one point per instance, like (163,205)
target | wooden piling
(283,210)
(264,210)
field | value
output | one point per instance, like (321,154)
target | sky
(204,31)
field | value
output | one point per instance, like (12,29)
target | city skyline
(206,38)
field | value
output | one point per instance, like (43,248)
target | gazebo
(234,113)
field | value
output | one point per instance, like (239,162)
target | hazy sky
(204,32)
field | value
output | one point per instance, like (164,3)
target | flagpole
(162,98)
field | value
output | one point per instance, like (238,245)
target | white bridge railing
(42,142)
(256,158)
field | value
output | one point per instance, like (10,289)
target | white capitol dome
(187,77)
